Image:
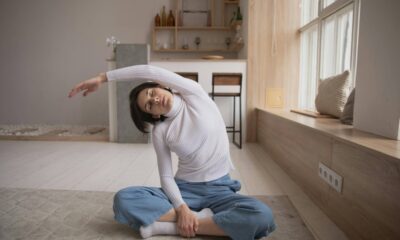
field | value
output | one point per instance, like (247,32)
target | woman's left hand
(88,86)
(187,221)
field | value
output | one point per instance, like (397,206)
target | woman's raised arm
(140,72)
(156,74)
(88,86)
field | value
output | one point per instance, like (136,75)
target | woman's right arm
(88,86)
(187,221)
(165,170)
(159,75)
(141,72)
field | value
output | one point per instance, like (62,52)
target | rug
(64,214)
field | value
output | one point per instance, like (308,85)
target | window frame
(324,13)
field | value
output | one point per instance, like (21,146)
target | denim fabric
(241,217)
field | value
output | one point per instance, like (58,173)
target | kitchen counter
(198,60)
(205,68)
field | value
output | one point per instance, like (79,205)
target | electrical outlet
(331,177)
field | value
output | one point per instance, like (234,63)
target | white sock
(169,228)
(205,212)
(159,228)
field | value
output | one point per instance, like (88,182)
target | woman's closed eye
(148,106)
(150,94)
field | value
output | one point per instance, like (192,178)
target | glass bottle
(157,20)
(239,16)
(171,19)
(163,17)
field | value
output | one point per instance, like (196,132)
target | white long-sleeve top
(194,130)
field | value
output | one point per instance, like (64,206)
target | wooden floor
(104,166)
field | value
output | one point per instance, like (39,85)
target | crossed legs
(235,215)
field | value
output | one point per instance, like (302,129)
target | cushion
(347,115)
(332,94)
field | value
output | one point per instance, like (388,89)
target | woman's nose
(156,100)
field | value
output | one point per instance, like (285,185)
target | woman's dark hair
(140,118)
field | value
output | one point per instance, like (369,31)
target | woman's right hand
(186,221)
(88,86)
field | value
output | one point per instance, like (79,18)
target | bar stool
(230,79)
(190,75)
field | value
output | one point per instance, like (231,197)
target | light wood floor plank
(137,173)
(103,166)
(255,178)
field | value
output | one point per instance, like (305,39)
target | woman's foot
(169,228)
(159,228)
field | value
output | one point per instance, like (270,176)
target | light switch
(274,97)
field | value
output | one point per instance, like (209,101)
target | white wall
(46,46)
(377,99)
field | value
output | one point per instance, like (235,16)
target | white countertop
(197,60)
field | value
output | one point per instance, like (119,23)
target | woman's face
(155,101)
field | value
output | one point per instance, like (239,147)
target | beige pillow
(348,110)
(332,94)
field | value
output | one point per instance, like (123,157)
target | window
(327,44)
(308,67)
(309,11)
(328,3)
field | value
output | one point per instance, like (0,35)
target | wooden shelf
(231,2)
(233,48)
(164,28)
(194,28)
(195,50)
(204,28)
(176,32)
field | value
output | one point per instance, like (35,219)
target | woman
(186,121)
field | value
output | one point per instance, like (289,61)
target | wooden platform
(310,113)
(368,206)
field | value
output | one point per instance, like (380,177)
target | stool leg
(240,121)
(234,120)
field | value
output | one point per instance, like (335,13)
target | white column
(112,104)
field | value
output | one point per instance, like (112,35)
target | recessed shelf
(217,27)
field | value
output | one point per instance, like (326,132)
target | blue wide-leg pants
(241,217)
